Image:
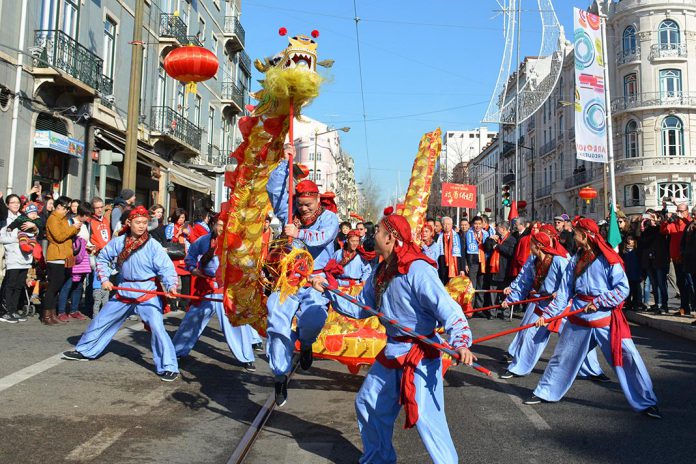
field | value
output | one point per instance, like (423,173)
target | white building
(461,147)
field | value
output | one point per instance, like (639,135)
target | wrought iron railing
(57,49)
(628,56)
(508,178)
(245,61)
(666,98)
(652,163)
(543,191)
(668,50)
(547,147)
(628,202)
(215,155)
(576,179)
(168,121)
(230,91)
(193,40)
(173,26)
(232,25)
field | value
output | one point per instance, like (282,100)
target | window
(197,111)
(161,86)
(672,137)
(215,44)
(69,17)
(668,34)
(560,125)
(670,83)
(211,125)
(109,47)
(634,195)
(629,41)
(318,156)
(311,156)
(630,85)
(631,140)
(181,99)
(201,30)
(318,177)
(680,192)
(311,174)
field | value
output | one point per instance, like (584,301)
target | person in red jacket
(523,249)
(200,225)
(674,227)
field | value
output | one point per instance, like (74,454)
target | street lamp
(316,138)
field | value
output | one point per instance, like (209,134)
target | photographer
(673,227)
(688,253)
(655,259)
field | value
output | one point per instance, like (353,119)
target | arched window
(318,179)
(679,192)
(631,140)
(630,85)
(311,174)
(634,195)
(629,41)
(670,83)
(672,136)
(669,36)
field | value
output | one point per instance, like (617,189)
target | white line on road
(28,372)
(527,410)
(96,445)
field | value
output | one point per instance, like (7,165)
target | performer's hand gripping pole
(407,330)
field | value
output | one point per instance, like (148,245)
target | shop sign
(59,142)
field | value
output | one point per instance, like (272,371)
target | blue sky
(425,65)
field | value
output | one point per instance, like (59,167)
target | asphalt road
(116,410)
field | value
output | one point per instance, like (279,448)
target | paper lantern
(587,194)
(521,204)
(191,64)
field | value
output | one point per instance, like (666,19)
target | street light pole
(130,161)
(316,140)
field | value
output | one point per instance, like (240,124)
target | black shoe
(281,392)
(74,356)
(653,412)
(9,318)
(533,400)
(601,378)
(19,317)
(168,376)
(258,347)
(306,357)
(249,367)
(507,358)
(508,375)
(693,323)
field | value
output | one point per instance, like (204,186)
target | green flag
(614,236)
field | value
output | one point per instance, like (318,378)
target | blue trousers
(310,307)
(569,355)
(528,346)
(112,316)
(377,407)
(239,339)
(73,291)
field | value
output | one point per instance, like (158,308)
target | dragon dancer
(315,228)
(596,281)
(351,264)
(405,287)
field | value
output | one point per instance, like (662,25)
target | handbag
(175,250)
(69,262)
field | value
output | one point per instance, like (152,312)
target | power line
(362,86)
(404,116)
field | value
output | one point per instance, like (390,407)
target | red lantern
(587,194)
(521,204)
(191,64)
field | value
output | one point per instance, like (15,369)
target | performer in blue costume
(405,287)
(542,275)
(316,228)
(431,247)
(350,265)
(140,261)
(596,281)
(202,262)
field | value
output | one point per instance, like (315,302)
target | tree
(370,205)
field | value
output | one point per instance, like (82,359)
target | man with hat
(405,287)
(596,281)
(142,264)
(565,233)
(314,227)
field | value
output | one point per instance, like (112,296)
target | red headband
(353,233)
(139,211)
(548,245)
(306,188)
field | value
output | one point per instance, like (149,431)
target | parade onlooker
(99,227)
(177,231)
(501,248)
(449,261)
(360,227)
(476,258)
(523,249)
(156,225)
(73,287)
(438,228)
(673,226)
(655,260)
(343,230)
(17,264)
(688,252)
(59,256)
(122,204)
(634,273)
(200,226)
(565,232)
(429,245)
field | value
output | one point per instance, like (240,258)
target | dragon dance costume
(406,287)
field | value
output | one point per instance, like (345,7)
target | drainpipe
(16,102)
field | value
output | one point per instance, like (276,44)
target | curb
(680,329)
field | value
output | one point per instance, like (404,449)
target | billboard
(459,195)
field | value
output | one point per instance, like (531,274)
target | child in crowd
(27,239)
(100,296)
(633,272)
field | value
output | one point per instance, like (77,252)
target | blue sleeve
(555,284)
(163,266)
(365,297)
(456,245)
(115,218)
(325,234)
(169,232)
(106,256)
(523,282)
(277,188)
(366,271)
(433,297)
(617,283)
(194,252)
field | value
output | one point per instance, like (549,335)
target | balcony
(215,156)
(58,50)
(579,178)
(174,125)
(630,202)
(653,99)
(245,62)
(543,192)
(231,93)
(628,56)
(509,179)
(656,164)
(173,27)
(668,51)
(571,134)
(548,147)
(234,32)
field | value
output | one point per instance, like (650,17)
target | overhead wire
(362,85)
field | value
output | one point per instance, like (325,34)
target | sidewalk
(675,325)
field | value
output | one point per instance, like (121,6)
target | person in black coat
(654,257)
(688,253)
(501,248)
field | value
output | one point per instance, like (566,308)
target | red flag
(513,211)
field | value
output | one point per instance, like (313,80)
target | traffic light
(506,196)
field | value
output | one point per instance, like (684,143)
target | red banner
(459,195)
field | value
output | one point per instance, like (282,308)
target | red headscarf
(306,188)
(591,229)
(139,211)
(328,201)
(353,233)
(406,251)
(549,230)
(548,245)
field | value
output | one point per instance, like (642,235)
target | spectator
(122,204)
(59,257)
(17,265)
(156,225)
(342,235)
(200,227)
(438,228)
(487,226)
(73,287)
(429,246)
(565,233)
(476,258)
(99,227)
(177,231)
(464,227)
(631,259)
(501,248)
(673,227)
(450,251)
(73,208)
(655,260)
(266,238)
(688,253)
(523,248)
(360,227)
(27,235)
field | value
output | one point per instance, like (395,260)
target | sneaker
(249,367)
(78,315)
(508,375)
(601,378)
(62,317)
(19,317)
(506,359)
(9,318)
(281,392)
(653,412)
(168,376)
(74,356)
(306,357)
(533,400)
(258,347)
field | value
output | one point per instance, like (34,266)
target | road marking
(96,445)
(28,372)
(527,410)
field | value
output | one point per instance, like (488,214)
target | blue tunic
(432,251)
(357,269)
(417,300)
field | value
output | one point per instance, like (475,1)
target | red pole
(177,295)
(291,160)
(521,302)
(524,327)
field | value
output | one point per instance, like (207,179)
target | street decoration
(587,194)
(191,64)
(458,195)
(462,291)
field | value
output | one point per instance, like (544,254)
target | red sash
(618,327)
(450,261)
(481,253)
(495,257)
